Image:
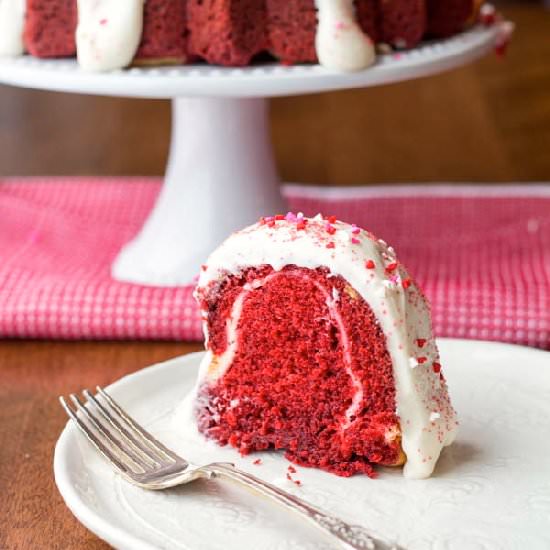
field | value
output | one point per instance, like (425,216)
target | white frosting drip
(340,42)
(403,316)
(12,18)
(108,33)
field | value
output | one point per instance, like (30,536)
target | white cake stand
(221,173)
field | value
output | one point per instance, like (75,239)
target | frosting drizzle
(12,19)
(340,42)
(108,33)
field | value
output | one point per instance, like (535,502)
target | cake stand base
(220,177)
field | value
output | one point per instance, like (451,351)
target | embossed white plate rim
(122,538)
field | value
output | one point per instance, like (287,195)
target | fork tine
(123,450)
(144,450)
(148,438)
(96,442)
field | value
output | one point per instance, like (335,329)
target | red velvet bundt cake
(340,34)
(320,344)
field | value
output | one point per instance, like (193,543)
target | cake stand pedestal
(220,176)
(221,173)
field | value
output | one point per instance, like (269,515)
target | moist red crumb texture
(448,17)
(50,27)
(294,375)
(164,32)
(226,32)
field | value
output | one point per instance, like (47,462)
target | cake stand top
(266,80)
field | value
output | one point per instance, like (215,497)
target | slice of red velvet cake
(320,344)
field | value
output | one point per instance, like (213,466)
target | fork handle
(350,536)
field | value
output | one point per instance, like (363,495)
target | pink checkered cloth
(482,255)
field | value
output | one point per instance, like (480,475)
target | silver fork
(146,462)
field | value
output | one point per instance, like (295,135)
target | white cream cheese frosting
(12,19)
(428,421)
(340,43)
(108,33)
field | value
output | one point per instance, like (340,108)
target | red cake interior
(447,17)
(226,32)
(164,31)
(291,28)
(403,22)
(50,28)
(311,374)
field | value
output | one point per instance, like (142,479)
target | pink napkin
(482,255)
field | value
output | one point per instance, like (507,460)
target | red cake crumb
(448,17)
(289,387)
(163,31)
(50,28)
(291,29)
(368,16)
(226,32)
(403,22)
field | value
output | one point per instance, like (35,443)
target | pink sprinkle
(355,241)
(355,230)
(331,245)
(103,21)
(290,217)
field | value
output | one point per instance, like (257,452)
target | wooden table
(33,515)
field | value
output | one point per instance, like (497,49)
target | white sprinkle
(413,362)
(434,416)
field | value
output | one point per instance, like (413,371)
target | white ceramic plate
(266,80)
(491,489)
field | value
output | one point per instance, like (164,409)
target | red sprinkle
(406,283)
(301,225)
(292,469)
(204,267)
(280,217)
(421,342)
(436,367)
(355,241)
(422,360)
(391,267)
(288,476)
(298,482)
(331,245)
(369,264)
(330,229)
(331,219)
(258,461)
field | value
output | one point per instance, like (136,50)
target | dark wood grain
(486,122)
(32,376)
